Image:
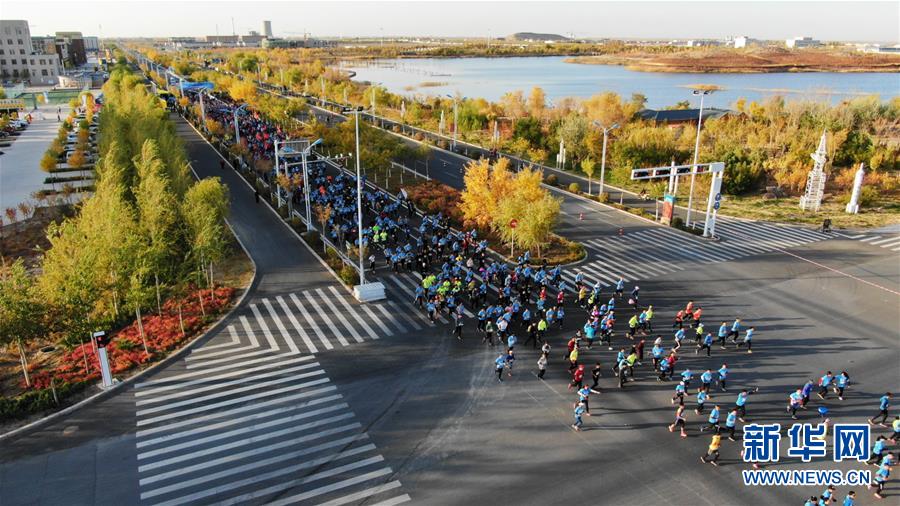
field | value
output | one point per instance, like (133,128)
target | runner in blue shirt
(741,402)
(850,499)
(679,394)
(877,450)
(657,352)
(824,383)
(723,376)
(748,336)
(579,410)
(841,382)
(706,344)
(701,399)
(794,402)
(828,495)
(686,376)
(806,391)
(705,380)
(735,330)
(723,333)
(620,287)
(712,421)
(679,336)
(883,404)
(731,423)
(500,364)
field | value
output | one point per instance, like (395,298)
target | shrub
(678,222)
(603,197)
(36,401)
(574,188)
(552,180)
(349,275)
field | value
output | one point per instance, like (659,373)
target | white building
(743,41)
(18,59)
(801,42)
(267,29)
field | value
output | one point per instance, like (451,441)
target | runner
(500,364)
(824,383)
(579,410)
(712,421)
(712,454)
(731,422)
(740,404)
(542,366)
(748,336)
(679,421)
(840,383)
(795,400)
(883,404)
(723,376)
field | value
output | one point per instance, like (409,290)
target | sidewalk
(20,164)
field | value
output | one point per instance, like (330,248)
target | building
(92,44)
(20,60)
(802,42)
(743,41)
(267,29)
(222,40)
(74,48)
(294,43)
(677,117)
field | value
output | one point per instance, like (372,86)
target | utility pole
(702,93)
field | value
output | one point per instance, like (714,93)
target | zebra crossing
(271,429)
(658,251)
(310,321)
(887,241)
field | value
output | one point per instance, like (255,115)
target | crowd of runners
(516,304)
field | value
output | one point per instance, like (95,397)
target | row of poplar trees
(148,232)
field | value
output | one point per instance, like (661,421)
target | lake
(492,77)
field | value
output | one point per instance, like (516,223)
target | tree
(587,166)
(484,187)
(513,104)
(158,215)
(537,102)
(22,312)
(531,205)
(204,209)
(574,133)
(323,214)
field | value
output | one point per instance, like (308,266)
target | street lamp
(703,94)
(237,132)
(605,131)
(303,155)
(455,120)
(359,204)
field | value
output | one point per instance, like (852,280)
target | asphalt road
(441,428)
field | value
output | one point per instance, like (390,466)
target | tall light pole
(303,155)
(455,121)
(605,131)
(703,94)
(359,204)
(237,132)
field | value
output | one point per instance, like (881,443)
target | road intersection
(305,396)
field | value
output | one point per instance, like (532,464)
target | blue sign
(718,197)
(716,205)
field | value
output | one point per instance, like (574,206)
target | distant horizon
(657,20)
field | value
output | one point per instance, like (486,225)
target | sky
(824,20)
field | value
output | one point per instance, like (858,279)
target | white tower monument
(815,182)
(853,205)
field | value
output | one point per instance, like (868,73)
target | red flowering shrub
(162,333)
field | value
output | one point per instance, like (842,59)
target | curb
(174,357)
(270,208)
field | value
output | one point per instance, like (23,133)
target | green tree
(587,166)
(22,311)
(204,209)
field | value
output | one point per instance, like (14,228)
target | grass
(885,211)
